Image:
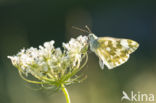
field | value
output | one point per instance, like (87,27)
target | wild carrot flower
(50,65)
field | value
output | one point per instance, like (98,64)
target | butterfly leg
(101,64)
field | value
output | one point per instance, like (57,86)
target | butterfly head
(92,37)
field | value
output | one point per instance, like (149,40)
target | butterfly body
(93,42)
(112,52)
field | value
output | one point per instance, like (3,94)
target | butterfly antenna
(80,29)
(88,29)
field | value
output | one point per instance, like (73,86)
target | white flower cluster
(50,63)
(75,48)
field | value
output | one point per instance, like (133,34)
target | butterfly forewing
(114,52)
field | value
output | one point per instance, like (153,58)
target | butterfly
(112,52)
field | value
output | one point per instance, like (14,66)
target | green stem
(64,90)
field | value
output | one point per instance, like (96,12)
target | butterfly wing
(113,52)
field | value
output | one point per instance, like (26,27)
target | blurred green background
(26,23)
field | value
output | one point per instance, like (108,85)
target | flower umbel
(50,65)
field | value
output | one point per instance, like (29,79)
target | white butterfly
(112,52)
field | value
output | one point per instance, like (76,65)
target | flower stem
(64,90)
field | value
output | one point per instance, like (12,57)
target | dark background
(26,23)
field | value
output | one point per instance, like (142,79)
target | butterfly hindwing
(113,52)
